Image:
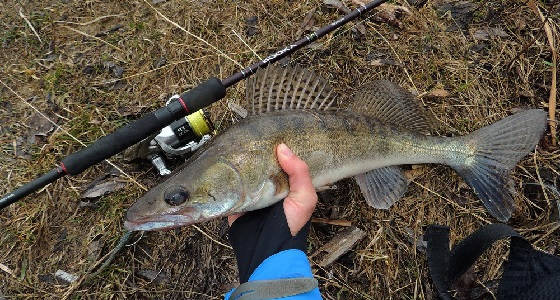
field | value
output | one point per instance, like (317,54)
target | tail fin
(498,148)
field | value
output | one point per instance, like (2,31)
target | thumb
(301,201)
(297,170)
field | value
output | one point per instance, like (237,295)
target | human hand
(302,199)
(284,225)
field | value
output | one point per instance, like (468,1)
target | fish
(369,138)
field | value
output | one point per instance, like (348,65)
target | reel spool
(176,140)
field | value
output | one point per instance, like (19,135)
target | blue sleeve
(285,264)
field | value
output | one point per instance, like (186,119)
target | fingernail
(284,150)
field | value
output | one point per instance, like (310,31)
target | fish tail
(494,151)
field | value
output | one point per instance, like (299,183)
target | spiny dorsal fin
(391,104)
(279,88)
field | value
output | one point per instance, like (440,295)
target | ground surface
(90,85)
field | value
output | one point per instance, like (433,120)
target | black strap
(466,252)
(446,266)
(438,258)
(530,274)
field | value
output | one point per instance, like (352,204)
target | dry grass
(63,76)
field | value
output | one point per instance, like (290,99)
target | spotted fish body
(238,171)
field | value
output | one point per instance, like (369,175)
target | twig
(106,260)
(29,24)
(89,22)
(548,233)
(194,35)
(93,37)
(453,203)
(5,268)
(552,97)
(523,50)
(70,135)
(111,255)
(344,223)
(540,179)
(211,238)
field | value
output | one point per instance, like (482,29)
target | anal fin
(382,187)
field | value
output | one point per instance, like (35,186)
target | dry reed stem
(29,24)
(93,37)
(550,34)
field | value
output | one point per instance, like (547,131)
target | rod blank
(199,97)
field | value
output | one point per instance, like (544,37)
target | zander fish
(382,128)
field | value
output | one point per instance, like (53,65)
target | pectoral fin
(382,187)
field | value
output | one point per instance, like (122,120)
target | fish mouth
(158,223)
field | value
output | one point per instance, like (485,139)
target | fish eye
(176,196)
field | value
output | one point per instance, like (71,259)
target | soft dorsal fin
(390,104)
(279,88)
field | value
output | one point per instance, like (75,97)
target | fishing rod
(189,102)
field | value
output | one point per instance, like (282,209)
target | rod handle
(124,137)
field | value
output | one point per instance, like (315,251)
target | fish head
(202,190)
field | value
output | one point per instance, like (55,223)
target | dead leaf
(489,33)
(338,246)
(102,188)
(438,93)
(65,276)
(338,5)
(384,62)
(307,23)
(462,12)
(418,241)
(129,110)
(87,204)
(251,28)
(344,9)
(94,250)
(46,278)
(39,126)
(153,276)
(464,284)
(391,14)
(237,109)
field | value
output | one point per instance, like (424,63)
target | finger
(302,199)
(232,218)
(301,186)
